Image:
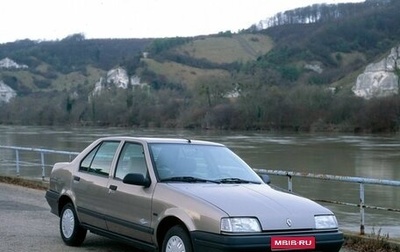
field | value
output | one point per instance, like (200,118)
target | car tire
(177,239)
(72,233)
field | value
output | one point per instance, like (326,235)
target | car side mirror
(136,179)
(265,178)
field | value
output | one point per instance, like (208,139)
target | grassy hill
(215,51)
(42,79)
(45,76)
(236,48)
(66,64)
(276,56)
(182,74)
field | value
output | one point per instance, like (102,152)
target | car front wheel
(71,231)
(177,240)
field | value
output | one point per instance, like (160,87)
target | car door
(129,206)
(91,181)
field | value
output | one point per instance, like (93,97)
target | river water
(369,156)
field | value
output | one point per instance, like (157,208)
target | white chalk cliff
(380,79)
(6,92)
(117,77)
(9,64)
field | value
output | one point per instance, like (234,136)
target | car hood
(273,208)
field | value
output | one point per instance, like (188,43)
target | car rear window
(99,160)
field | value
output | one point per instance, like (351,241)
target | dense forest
(74,52)
(270,93)
(323,13)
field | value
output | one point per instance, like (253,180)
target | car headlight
(325,221)
(240,224)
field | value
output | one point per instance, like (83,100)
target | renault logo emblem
(289,222)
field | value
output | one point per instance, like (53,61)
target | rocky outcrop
(6,92)
(314,67)
(10,64)
(98,87)
(117,77)
(380,79)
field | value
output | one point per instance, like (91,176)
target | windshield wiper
(188,179)
(236,181)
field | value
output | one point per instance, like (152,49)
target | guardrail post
(290,183)
(362,212)
(17,161)
(43,169)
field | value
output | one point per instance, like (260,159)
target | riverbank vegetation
(302,108)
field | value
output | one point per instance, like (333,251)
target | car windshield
(193,163)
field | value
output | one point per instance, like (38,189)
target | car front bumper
(202,241)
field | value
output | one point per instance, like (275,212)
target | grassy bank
(34,184)
(374,242)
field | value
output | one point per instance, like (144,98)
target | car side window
(99,160)
(131,160)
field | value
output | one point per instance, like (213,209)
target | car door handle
(113,187)
(76,178)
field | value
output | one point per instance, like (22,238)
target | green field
(239,47)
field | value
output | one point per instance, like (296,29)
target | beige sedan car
(181,195)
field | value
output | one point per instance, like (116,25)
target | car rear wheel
(71,231)
(177,240)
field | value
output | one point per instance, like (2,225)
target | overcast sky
(56,19)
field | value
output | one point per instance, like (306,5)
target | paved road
(28,225)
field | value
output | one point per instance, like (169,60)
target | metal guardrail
(42,153)
(358,180)
(289,174)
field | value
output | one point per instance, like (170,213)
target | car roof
(160,140)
